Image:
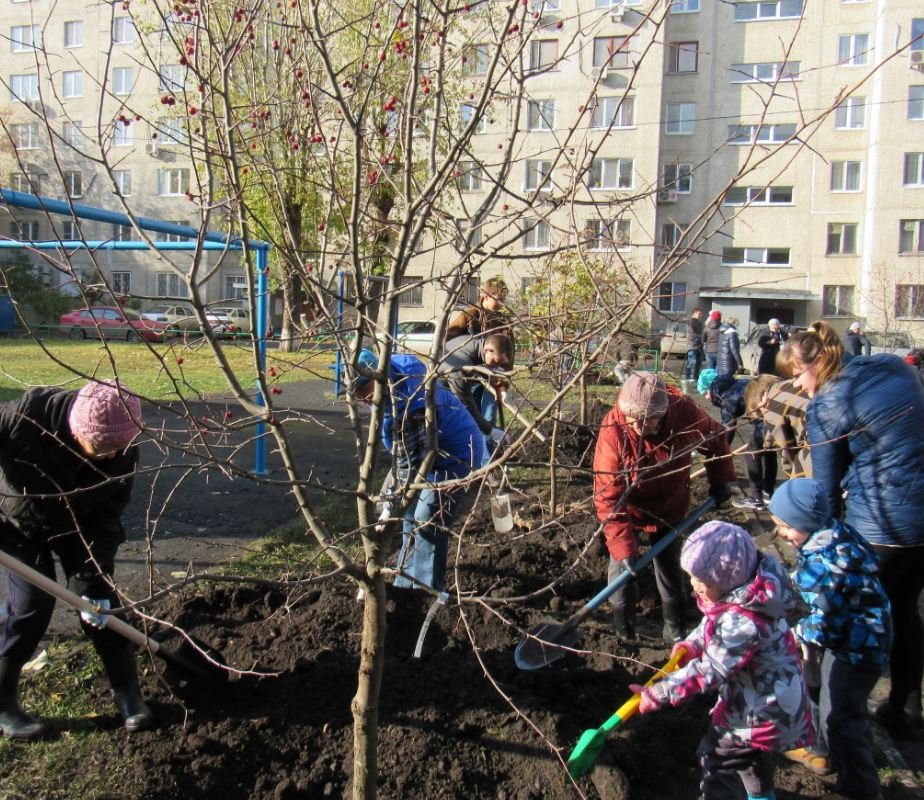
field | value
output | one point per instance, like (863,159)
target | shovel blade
(586,751)
(190,671)
(546,642)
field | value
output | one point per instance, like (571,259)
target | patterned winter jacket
(850,615)
(746,650)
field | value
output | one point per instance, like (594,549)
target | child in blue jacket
(846,636)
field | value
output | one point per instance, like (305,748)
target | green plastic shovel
(591,742)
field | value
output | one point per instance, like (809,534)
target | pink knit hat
(643,395)
(720,554)
(106,415)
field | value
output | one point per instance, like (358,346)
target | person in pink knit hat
(67,460)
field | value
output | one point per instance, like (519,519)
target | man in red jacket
(642,486)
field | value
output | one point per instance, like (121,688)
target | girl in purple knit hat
(744,649)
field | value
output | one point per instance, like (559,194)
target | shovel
(549,640)
(188,667)
(591,742)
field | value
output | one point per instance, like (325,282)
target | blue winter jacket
(836,573)
(866,432)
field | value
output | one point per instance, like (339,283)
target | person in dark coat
(730,349)
(768,344)
(694,362)
(67,461)
(855,341)
(867,441)
(712,331)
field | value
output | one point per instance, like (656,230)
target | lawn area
(159,372)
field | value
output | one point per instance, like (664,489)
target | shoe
(766,497)
(893,719)
(136,715)
(817,764)
(752,503)
(14,722)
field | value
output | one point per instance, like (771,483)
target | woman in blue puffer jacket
(866,436)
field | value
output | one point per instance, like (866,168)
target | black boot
(892,718)
(134,711)
(913,716)
(14,722)
(624,622)
(118,657)
(672,611)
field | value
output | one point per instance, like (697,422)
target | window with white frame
(543,53)
(69,232)
(172,77)
(73,183)
(174,237)
(684,6)
(909,301)
(120,282)
(469,236)
(540,115)
(616,112)
(475,59)
(123,233)
(607,234)
(25,38)
(760,134)
(24,231)
(758,196)
(536,234)
(467,112)
(748,10)
(30,182)
(538,175)
(123,79)
(917,34)
(411,292)
(672,296)
(669,235)
(911,236)
(469,176)
(235,287)
(916,102)
(842,239)
(169,284)
(123,181)
(611,173)
(612,52)
(72,83)
(837,300)
(122,134)
(24,87)
(850,114)
(913,172)
(853,49)
(765,71)
(678,177)
(682,57)
(123,30)
(755,256)
(172,131)
(611,3)
(72,133)
(25,135)
(845,176)
(73,33)
(172,181)
(681,119)
(544,6)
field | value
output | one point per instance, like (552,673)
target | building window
(607,234)
(121,283)
(24,231)
(760,134)
(123,233)
(837,301)
(916,102)
(69,231)
(73,33)
(616,112)
(540,115)
(172,77)
(123,30)
(842,239)
(72,133)
(678,177)
(747,10)
(411,292)
(25,38)
(466,115)
(845,176)
(758,196)
(123,79)
(917,34)
(684,6)
(543,53)
(765,72)
(672,297)
(30,182)
(538,175)
(174,237)
(669,235)
(853,50)
(913,174)
(536,234)
(469,176)
(25,135)
(122,134)
(469,237)
(682,57)
(73,83)
(850,114)
(169,284)
(24,87)
(911,236)
(611,173)
(235,287)
(123,181)
(172,181)
(612,52)
(681,119)
(73,183)
(172,131)
(909,301)
(755,256)
(475,60)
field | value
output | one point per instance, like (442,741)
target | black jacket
(729,352)
(856,344)
(711,335)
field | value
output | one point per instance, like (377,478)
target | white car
(413,335)
(238,318)
(181,317)
(673,341)
(897,342)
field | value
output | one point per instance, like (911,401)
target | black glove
(599,549)
(721,494)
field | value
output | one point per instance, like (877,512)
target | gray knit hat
(720,554)
(643,395)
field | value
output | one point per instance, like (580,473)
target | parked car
(182,318)
(897,342)
(112,322)
(238,318)
(415,336)
(673,341)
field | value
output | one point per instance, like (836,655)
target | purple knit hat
(642,395)
(106,415)
(720,554)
